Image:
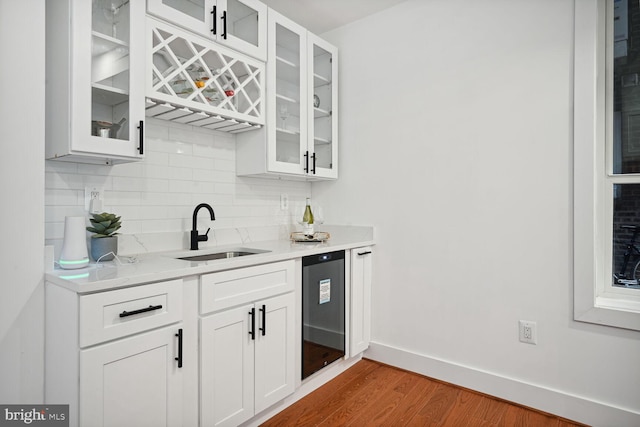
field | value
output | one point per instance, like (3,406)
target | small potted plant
(104,242)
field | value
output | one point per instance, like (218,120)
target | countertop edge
(112,276)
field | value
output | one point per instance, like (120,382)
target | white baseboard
(555,402)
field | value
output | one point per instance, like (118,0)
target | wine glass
(318,215)
(283,111)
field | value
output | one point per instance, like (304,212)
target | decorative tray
(318,236)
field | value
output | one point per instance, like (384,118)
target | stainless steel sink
(223,255)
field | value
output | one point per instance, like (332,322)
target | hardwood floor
(373,394)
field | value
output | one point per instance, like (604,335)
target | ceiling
(320,16)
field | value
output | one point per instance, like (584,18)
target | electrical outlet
(93,199)
(528,333)
(284,202)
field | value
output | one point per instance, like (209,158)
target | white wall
(22,76)
(456,144)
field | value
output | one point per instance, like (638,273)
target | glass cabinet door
(244,26)
(323,135)
(240,24)
(110,70)
(192,8)
(108,65)
(286,105)
(195,15)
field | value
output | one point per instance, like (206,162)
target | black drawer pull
(264,320)
(252,332)
(142,310)
(141,147)
(214,28)
(364,253)
(179,358)
(224,28)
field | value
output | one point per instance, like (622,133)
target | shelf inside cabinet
(318,112)
(286,99)
(108,95)
(176,113)
(319,80)
(287,70)
(287,131)
(321,141)
(102,43)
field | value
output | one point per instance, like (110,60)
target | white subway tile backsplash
(166,199)
(155,157)
(92,170)
(183,166)
(60,166)
(225,165)
(57,197)
(203,175)
(122,198)
(134,169)
(140,184)
(63,181)
(189,161)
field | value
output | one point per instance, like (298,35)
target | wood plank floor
(373,394)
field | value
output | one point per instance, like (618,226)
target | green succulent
(104,224)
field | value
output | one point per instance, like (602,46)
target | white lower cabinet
(360,315)
(220,347)
(247,359)
(116,356)
(135,381)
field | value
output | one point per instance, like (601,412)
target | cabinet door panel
(226,368)
(108,68)
(360,300)
(275,350)
(196,15)
(246,26)
(134,381)
(287,110)
(322,60)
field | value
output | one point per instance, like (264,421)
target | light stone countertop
(159,266)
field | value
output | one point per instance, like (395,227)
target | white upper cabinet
(300,136)
(95,81)
(239,24)
(323,112)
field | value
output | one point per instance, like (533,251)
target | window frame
(595,299)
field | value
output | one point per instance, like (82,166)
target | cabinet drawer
(114,314)
(229,288)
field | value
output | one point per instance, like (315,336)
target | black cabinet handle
(306,162)
(252,332)
(141,146)
(142,310)
(264,320)
(364,253)
(314,163)
(224,28)
(179,358)
(214,27)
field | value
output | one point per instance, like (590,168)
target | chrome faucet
(195,237)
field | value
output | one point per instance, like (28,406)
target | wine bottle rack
(198,82)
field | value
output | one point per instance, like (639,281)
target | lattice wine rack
(198,82)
